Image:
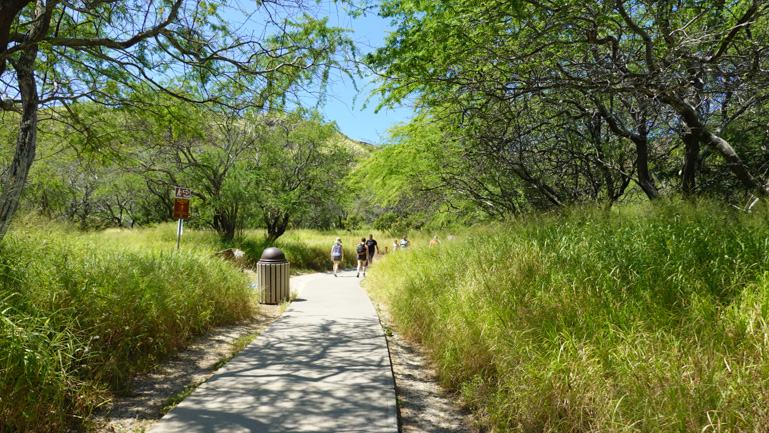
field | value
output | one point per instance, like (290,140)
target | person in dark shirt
(372,245)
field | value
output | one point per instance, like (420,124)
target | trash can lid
(273,255)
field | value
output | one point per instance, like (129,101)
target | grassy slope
(648,320)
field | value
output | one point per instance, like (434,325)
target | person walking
(372,245)
(396,245)
(405,242)
(337,254)
(362,250)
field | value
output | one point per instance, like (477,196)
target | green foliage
(648,318)
(557,103)
(411,163)
(354,221)
(81,314)
(423,178)
(299,167)
(245,169)
(392,224)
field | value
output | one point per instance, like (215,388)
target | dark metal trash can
(272,276)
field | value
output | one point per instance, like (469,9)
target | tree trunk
(8,11)
(641,141)
(735,164)
(645,180)
(26,141)
(689,169)
(705,136)
(225,223)
(276,225)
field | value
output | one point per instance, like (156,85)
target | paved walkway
(323,366)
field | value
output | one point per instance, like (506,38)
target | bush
(392,224)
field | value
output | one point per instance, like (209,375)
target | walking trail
(323,366)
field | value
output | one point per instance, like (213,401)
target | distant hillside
(361,149)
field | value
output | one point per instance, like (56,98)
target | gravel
(423,405)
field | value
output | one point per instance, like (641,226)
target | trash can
(272,276)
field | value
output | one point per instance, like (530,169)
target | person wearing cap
(337,254)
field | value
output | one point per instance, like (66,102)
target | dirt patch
(424,406)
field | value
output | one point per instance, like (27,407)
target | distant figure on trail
(405,242)
(337,254)
(434,241)
(362,250)
(372,245)
(396,245)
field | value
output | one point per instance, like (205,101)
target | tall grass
(82,313)
(310,250)
(307,250)
(649,320)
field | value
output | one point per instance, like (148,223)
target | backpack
(361,248)
(337,250)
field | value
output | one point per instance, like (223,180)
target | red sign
(180,192)
(181,209)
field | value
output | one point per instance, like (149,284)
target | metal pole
(179,233)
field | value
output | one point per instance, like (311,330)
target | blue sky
(344,105)
(361,124)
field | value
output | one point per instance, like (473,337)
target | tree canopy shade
(577,99)
(55,53)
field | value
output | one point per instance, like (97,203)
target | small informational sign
(181,209)
(181,192)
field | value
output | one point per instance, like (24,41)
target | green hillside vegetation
(641,319)
(361,149)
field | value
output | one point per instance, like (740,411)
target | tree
(428,170)
(648,70)
(299,166)
(203,147)
(56,53)
(245,169)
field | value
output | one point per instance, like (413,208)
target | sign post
(181,210)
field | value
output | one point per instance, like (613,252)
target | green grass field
(648,319)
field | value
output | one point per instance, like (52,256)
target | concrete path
(323,366)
